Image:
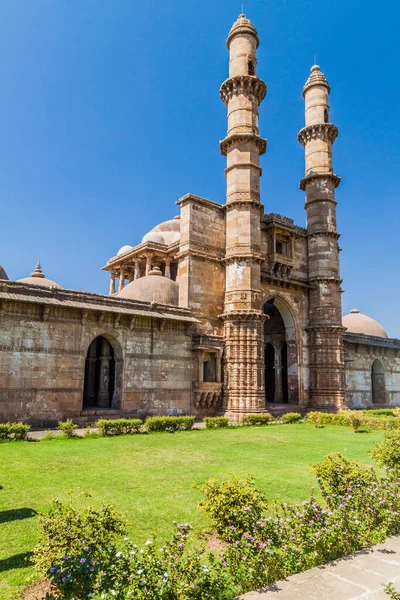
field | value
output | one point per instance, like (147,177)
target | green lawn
(148,477)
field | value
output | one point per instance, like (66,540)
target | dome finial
(38,271)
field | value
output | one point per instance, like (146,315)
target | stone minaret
(243,316)
(327,387)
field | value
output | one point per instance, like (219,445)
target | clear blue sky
(110,112)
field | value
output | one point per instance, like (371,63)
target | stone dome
(38,278)
(3,274)
(356,322)
(167,232)
(242,26)
(124,250)
(152,288)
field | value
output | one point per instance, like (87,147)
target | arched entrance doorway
(100,375)
(377,382)
(280,356)
(275,362)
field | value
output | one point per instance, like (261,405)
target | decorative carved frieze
(326,132)
(207,395)
(249,86)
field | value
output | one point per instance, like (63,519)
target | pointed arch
(281,352)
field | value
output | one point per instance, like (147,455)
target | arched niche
(281,353)
(377,382)
(103,374)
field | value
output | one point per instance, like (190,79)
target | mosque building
(223,309)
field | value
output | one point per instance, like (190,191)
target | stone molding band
(238,138)
(321,177)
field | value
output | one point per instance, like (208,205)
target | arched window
(250,66)
(101,374)
(377,382)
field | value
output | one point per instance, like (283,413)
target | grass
(149,477)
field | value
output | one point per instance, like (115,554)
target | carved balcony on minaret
(248,86)
(243,138)
(326,132)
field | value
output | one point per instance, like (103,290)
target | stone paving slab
(356,577)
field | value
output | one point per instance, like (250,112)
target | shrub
(355,419)
(171,572)
(291,417)
(65,531)
(379,412)
(387,454)
(391,591)
(169,423)
(233,503)
(336,474)
(14,431)
(316,418)
(396,411)
(110,427)
(257,419)
(68,428)
(216,422)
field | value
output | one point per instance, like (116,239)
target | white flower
(118,554)
(148,542)
(165,574)
(126,539)
(205,569)
(113,592)
(140,571)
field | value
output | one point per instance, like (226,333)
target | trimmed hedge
(291,417)
(14,431)
(216,422)
(257,419)
(67,427)
(379,412)
(169,423)
(111,427)
(320,419)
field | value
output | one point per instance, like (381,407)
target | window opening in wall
(326,116)
(279,247)
(377,382)
(210,370)
(250,66)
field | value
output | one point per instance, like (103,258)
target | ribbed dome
(242,25)
(167,232)
(3,274)
(316,78)
(124,250)
(356,322)
(38,278)
(152,288)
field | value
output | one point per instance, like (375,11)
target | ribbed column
(327,387)
(242,93)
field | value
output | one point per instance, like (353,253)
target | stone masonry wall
(359,359)
(42,363)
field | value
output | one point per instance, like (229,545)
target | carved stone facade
(222,309)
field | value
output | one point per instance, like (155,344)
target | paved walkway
(356,577)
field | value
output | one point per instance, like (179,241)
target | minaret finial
(242,7)
(38,271)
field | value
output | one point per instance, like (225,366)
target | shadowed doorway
(99,375)
(275,356)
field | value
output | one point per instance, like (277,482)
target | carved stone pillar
(278,371)
(201,366)
(148,265)
(219,366)
(121,280)
(112,284)
(168,269)
(137,271)
(103,396)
